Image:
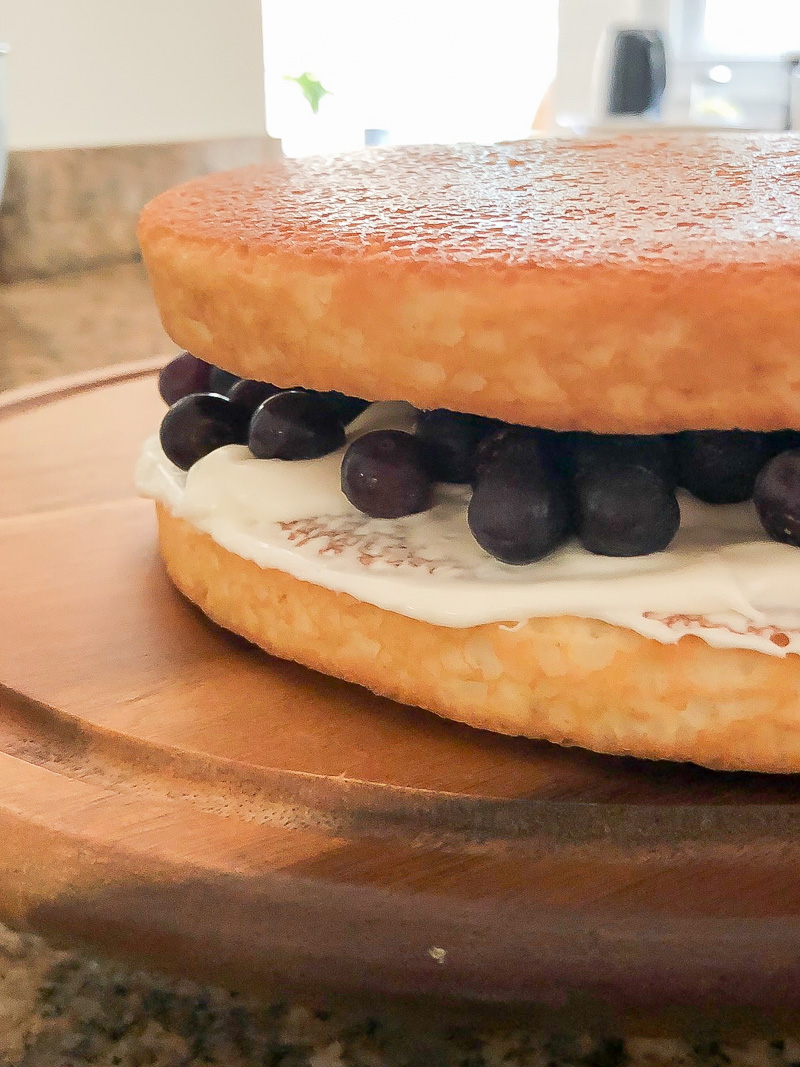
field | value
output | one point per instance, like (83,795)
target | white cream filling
(722,578)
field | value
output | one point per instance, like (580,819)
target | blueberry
(453,439)
(782,441)
(222,380)
(505,437)
(622,509)
(250,394)
(519,511)
(295,425)
(199,423)
(385,474)
(777,497)
(184,375)
(346,407)
(721,466)
(654,451)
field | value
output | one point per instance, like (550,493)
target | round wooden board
(170,793)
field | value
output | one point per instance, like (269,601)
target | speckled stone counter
(65,1010)
(75,322)
(61,1009)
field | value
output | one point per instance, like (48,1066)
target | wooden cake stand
(169,793)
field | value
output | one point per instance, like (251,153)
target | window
(745,28)
(401,72)
(729,65)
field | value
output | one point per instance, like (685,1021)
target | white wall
(105,72)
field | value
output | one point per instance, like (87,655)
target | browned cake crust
(641,284)
(568,680)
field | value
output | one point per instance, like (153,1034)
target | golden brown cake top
(634,200)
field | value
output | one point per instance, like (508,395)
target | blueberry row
(532,488)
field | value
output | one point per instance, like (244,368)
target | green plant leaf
(311,88)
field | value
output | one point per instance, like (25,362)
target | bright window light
(745,28)
(418,71)
(721,74)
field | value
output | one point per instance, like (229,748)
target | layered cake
(506,432)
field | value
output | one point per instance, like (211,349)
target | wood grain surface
(169,793)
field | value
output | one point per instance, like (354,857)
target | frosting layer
(721,579)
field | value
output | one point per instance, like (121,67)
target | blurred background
(102,105)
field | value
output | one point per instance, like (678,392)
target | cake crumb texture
(645,283)
(567,680)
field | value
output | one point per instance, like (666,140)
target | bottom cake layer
(568,680)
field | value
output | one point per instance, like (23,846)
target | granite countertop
(60,1009)
(76,322)
(66,1009)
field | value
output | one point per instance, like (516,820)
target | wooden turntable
(169,793)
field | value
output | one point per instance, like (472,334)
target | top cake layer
(639,284)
